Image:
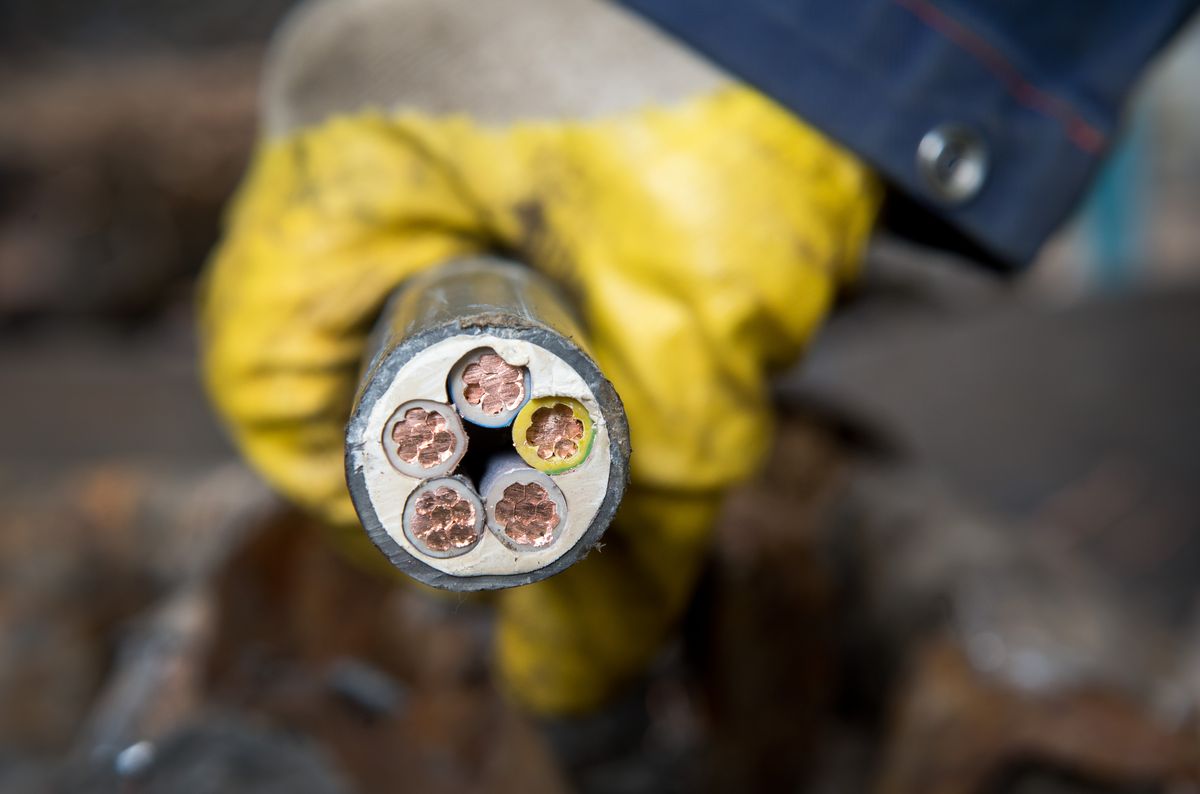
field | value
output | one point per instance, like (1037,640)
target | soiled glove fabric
(701,233)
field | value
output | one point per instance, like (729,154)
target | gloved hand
(702,241)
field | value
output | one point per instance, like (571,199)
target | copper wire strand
(555,432)
(527,514)
(443,520)
(493,384)
(423,438)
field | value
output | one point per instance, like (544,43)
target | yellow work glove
(703,243)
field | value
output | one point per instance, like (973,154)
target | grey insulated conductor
(475,361)
(444,517)
(525,507)
(423,438)
(486,389)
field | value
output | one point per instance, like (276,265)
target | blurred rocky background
(970,567)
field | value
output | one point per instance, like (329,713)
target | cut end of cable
(486,449)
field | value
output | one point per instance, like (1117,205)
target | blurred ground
(971,566)
(1076,423)
(888,609)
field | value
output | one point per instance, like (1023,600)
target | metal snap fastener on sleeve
(953,160)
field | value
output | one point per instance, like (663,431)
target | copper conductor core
(527,514)
(423,438)
(443,520)
(493,384)
(555,432)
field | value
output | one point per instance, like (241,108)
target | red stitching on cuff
(1078,130)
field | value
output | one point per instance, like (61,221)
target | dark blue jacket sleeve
(1016,100)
